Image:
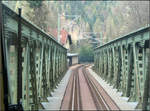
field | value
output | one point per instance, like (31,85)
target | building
(66,39)
(72,58)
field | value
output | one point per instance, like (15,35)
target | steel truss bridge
(125,64)
(32,63)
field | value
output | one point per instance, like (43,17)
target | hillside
(110,19)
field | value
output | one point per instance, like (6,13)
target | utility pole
(101,38)
(58,28)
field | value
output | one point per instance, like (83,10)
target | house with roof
(73,58)
(66,41)
(65,38)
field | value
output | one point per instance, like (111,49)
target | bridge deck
(55,101)
(121,101)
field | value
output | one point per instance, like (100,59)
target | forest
(110,19)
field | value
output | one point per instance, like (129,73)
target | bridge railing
(34,61)
(123,63)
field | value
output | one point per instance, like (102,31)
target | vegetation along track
(86,93)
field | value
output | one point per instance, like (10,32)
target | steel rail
(78,103)
(107,99)
(72,106)
(76,97)
(99,100)
(79,95)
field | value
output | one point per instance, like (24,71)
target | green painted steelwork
(123,63)
(44,61)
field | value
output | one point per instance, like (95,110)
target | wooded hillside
(111,18)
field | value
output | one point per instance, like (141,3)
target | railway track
(86,93)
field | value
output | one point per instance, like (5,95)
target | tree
(86,53)
(35,4)
(39,15)
(112,18)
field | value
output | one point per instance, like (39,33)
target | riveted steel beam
(123,63)
(42,61)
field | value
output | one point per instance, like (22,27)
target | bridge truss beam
(43,61)
(123,62)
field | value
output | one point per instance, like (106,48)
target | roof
(72,54)
(64,35)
